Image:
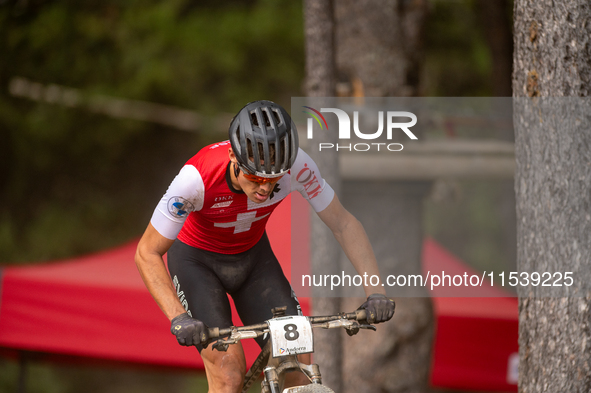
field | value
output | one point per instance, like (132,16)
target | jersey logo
(243,222)
(181,295)
(219,144)
(275,189)
(308,179)
(222,201)
(221,204)
(179,207)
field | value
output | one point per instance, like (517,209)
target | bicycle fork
(271,382)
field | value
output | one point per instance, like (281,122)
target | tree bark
(551,85)
(379,50)
(325,251)
(380,43)
(553,187)
(395,358)
(552,48)
(320,58)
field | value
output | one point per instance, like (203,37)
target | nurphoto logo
(391,118)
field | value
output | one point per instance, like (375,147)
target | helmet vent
(254,119)
(280,155)
(276,116)
(266,117)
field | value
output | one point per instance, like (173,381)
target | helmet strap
(236,170)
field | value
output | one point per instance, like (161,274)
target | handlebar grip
(213,333)
(360,314)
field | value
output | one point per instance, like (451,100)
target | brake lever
(353,330)
(367,326)
(220,346)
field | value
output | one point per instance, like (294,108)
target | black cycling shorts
(253,278)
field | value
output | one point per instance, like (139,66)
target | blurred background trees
(64,167)
(75,181)
(67,171)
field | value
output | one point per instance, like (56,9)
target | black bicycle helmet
(264,129)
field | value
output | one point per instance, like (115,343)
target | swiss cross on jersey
(228,222)
(237,212)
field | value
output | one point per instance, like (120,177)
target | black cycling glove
(378,308)
(189,331)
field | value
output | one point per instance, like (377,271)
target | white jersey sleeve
(306,178)
(184,195)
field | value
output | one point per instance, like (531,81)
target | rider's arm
(148,258)
(184,195)
(352,237)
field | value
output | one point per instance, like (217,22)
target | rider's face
(255,191)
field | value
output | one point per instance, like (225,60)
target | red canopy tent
(97,307)
(475,344)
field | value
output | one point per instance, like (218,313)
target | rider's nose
(267,187)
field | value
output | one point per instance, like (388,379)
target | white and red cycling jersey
(202,209)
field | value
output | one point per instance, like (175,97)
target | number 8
(291,332)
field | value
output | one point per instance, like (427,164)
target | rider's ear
(232,155)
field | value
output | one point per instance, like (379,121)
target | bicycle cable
(302,370)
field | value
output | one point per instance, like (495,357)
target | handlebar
(349,321)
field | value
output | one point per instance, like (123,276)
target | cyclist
(211,222)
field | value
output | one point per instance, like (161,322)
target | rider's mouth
(261,197)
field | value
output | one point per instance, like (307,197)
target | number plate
(291,335)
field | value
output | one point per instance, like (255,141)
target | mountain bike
(289,336)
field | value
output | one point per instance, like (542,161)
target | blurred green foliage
(39,378)
(457,59)
(74,181)
(42,377)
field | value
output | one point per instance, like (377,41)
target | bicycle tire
(311,388)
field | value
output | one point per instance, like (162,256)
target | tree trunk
(396,358)
(320,58)
(552,48)
(325,251)
(379,49)
(380,43)
(551,85)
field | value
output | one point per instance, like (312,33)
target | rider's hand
(378,308)
(188,331)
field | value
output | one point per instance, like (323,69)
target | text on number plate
(291,335)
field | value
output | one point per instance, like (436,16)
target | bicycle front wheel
(311,388)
